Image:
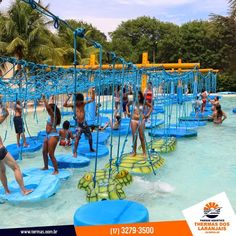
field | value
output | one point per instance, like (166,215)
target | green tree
(24,34)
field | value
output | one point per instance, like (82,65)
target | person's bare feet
(133,154)
(7,191)
(26,191)
(44,168)
(55,172)
(75,154)
(145,155)
(26,145)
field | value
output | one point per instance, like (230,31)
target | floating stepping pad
(175,132)
(102,137)
(43,186)
(162,145)
(193,123)
(84,150)
(111,212)
(34,145)
(106,111)
(67,113)
(43,134)
(123,130)
(153,123)
(189,118)
(183,126)
(139,164)
(63,174)
(234,110)
(204,114)
(67,160)
(106,187)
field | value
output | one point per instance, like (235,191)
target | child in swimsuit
(65,135)
(218,116)
(114,126)
(80,115)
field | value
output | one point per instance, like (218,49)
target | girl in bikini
(138,120)
(52,138)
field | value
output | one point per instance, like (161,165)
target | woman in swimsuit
(218,116)
(138,121)
(52,138)
(7,159)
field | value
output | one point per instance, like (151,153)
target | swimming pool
(200,167)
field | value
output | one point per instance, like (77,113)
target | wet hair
(118,118)
(141,99)
(217,98)
(219,111)
(79,97)
(66,125)
(57,113)
(150,83)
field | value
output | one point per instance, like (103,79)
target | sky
(106,15)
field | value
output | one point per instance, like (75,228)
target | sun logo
(211,210)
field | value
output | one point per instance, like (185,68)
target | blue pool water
(200,167)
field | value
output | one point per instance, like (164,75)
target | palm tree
(233,7)
(24,34)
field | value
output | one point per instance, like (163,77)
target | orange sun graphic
(211,206)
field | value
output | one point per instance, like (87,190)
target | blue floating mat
(190,118)
(111,212)
(68,161)
(34,145)
(184,126)
(213,96)
(125,121)
(234,110)
(62,175)
(43,186)
(72,123)
(106,111)
(153,123)
(175,132)
(43,134)
(102,137)
(193,123)
(122,131)
(102,121)
(15,154)
(67,113)
(84,150)
(204,114)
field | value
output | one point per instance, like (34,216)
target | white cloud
(162,3)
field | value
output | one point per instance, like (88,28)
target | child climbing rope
(80,116)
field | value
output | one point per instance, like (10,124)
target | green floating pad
(139,164)
(107,187)
(162,145)
(111,212)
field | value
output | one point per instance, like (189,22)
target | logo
(214,216)
(211,210)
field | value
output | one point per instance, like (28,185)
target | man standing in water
(80,116)
(19,125)
(6,158)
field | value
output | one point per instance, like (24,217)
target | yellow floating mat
(139,164)
(162,145)
(106,188)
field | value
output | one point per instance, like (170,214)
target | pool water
(199,168)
